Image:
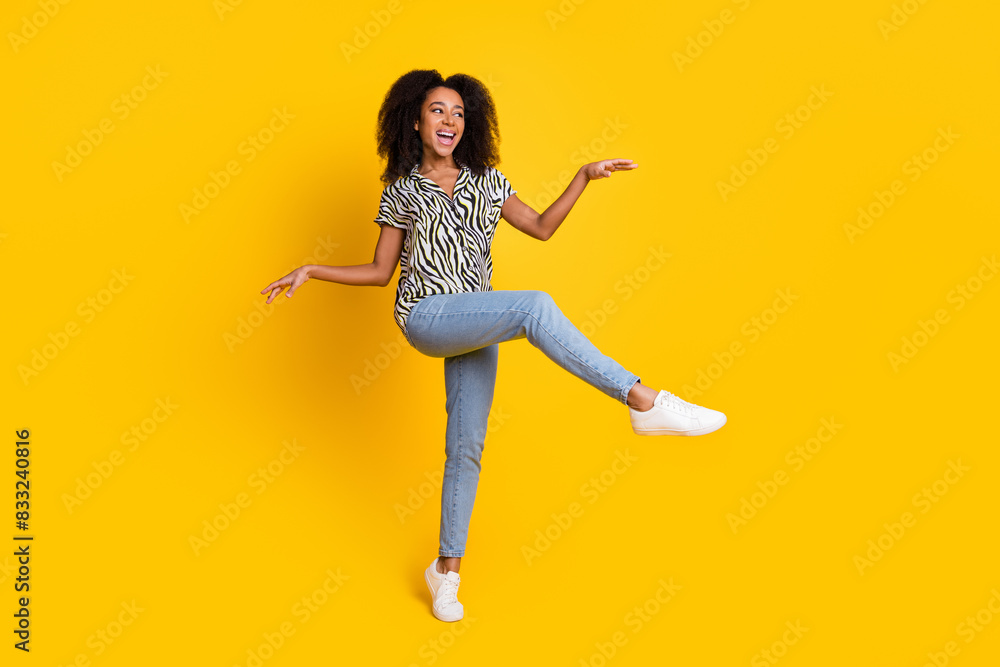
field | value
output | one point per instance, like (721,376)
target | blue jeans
(465,329)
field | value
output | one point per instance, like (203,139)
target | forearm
(358,274)
(553,216)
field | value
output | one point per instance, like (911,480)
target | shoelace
(449,591)
(676,403)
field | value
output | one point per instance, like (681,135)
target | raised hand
(603,168)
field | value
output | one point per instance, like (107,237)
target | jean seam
(458,461)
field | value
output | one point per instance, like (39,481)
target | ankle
(443,563)
(641,397)
(640,402)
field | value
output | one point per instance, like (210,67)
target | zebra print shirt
(447,244)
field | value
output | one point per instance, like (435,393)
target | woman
(437,216)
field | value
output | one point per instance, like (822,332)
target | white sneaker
(672,415)
(444,589)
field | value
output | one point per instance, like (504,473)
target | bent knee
(538,299)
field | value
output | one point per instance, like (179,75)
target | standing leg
(469,379)
(469,382)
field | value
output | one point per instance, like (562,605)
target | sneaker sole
(666,431)
(427,579)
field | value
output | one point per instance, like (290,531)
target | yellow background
(561,74)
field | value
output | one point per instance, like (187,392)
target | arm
(543,225)
(377,272)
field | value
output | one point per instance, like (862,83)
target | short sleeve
(503,188)
(390,211)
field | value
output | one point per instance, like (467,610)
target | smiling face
(441,114)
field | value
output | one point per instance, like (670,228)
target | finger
(280,281)
(622,163)
(275,292)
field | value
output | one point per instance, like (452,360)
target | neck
(433,162)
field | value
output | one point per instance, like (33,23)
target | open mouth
(445,137)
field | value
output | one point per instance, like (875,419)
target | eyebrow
(457,106)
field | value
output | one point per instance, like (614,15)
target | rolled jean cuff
(628,387)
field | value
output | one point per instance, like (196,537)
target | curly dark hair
(400,145)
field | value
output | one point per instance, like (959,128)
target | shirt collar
(464,173)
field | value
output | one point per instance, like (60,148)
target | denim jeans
(466,329)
